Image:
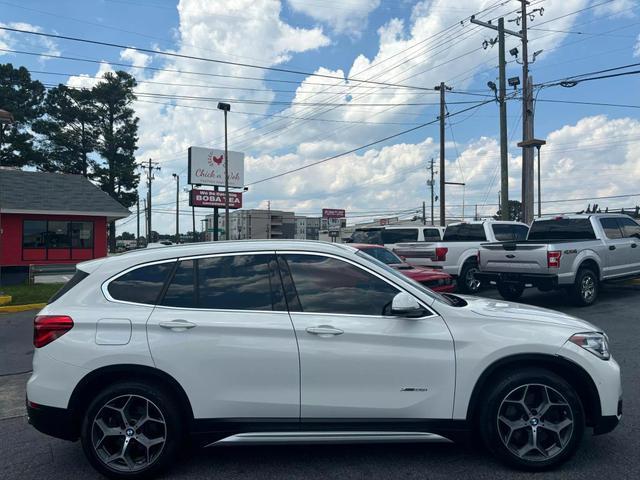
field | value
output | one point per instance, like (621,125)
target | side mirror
(405,305)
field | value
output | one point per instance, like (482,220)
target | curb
(22,308)
(5,299)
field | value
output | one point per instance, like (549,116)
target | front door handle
(324,331)
(177,325)
(612,247)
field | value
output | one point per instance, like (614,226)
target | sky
(284,121)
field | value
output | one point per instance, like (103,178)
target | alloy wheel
(535,422)
(128,433)
(588,288)
(473,285)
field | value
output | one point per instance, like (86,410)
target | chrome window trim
(105,285)
(368,270)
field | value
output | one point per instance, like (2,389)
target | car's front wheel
(532,419)
(132,430)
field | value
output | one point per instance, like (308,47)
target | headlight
(594,342)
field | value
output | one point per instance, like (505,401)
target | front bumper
(541,280)
(53,421)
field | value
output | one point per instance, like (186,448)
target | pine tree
(117,137)
(23,98)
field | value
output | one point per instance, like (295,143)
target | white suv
(293,341)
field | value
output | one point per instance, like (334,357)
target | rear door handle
(324,331)
(177,325)
(612,247)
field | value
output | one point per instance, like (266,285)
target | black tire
(466,281)
(165,422)
(585,289)
(510,291)
(499,402)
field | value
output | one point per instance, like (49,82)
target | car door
(222,330)
(631,231)
(618,248)
(357,361)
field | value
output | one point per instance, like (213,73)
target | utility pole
(431,183)
(442,88)
(225,107)
(527,123)
(424,213)
(146,222)
(193,214)
(501,97)
(138,223)
(177,177)
(151,166)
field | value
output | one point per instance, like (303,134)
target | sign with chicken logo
(206,167)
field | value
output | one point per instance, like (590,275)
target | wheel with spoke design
(533,419)
(131,430)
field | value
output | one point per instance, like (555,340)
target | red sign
(333,213)
(211,198)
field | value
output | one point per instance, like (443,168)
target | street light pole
(177,177)
(226,108)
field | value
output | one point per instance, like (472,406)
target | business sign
(209,198)
(206,167)
(333,213)
(388,221)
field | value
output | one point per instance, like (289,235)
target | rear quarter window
(141,285)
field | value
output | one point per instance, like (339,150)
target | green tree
(117,138)
(515,211)
(68,130)
(23,98)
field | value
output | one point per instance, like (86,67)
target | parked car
(572,252)
(391,235)
(435,280)
(292,341)
(457,253)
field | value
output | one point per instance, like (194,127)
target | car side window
(399,235)
(629,228)
(141,285)
(181,291)
(239,282)
(431,235)
(611,228)
(505,232)
(329,285)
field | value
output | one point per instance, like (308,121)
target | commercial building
(254,224)
(307,228)
(52,218)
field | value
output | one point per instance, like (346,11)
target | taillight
(553,259)
(47,328)
(441,254)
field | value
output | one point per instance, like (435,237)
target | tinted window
(431,235)
(181,290)
(327,285)
(142,285)
(34,233)
(465,232)
(382,254)
(506,232)
(400,235)
(76,279)
(562,229)
(611,227)
(58,235)
(242,282)
(82,234)
(370,236)
(629,227)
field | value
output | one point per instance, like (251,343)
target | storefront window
(57,234)
(34,234)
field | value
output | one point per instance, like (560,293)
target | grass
(25,294)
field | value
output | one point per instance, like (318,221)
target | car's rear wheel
(510,291)
(585,289)
(532,419)
(467,282)
(132,430)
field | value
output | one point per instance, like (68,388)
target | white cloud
(88,81)
(636,48)
(23,41)
(616,8)
(136,58)
(348,17)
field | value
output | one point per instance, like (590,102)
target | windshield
(404,278)
(382,254)
(370,236)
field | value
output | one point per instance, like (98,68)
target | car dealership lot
(28,454)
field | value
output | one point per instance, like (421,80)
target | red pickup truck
(436,280)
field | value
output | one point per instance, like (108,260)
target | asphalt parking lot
(27,454)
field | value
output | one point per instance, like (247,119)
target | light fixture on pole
(225,107)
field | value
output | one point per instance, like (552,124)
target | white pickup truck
(572,252)
(457,253)
(390,235)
